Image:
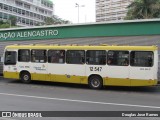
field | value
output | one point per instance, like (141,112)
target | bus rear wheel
(25,77)
(95,82)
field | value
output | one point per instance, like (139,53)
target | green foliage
(49,21)
(143,9)
(13,20)
(1,22)
(55,20)
(4,25)
(60,20)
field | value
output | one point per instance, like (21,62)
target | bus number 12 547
(95,68)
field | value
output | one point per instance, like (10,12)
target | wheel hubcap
(95,83)
(26,77)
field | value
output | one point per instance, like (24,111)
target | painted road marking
(81,101)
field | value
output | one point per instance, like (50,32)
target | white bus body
(95,74)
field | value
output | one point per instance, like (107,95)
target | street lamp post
(78,6)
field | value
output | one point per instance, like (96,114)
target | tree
(13,20)
(49,21)
(55,20)
(58,20)
(5,25)
(1,22)
(143,9)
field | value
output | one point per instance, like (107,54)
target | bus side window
(150,60)
(10,58)
(141,58)
(38,56)
(75,57)
(109,61)
(125,62)
(118,58)
(96,57)
(56,56)
(23,55)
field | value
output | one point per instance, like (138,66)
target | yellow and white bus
(96,66)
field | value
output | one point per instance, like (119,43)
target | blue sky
(66,9)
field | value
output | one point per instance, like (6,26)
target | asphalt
(48,96)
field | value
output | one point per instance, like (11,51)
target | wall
(85,30)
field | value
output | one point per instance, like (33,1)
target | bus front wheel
(25,77)
(95,82)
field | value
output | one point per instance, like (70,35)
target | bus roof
(83,47)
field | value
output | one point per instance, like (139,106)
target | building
(109,10)
(27,12)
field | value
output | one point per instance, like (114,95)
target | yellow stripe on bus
(83,79)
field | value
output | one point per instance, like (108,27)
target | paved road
(46,96)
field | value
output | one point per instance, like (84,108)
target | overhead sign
(82,31)
(26,34)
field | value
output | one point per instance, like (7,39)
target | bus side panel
(10,74)
(99,70)
(39,71)
(118,76)
(112,75)
(68,73)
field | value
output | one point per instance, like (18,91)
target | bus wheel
(95,82)
(25,77)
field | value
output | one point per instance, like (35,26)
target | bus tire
(25,77)
(95,82)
